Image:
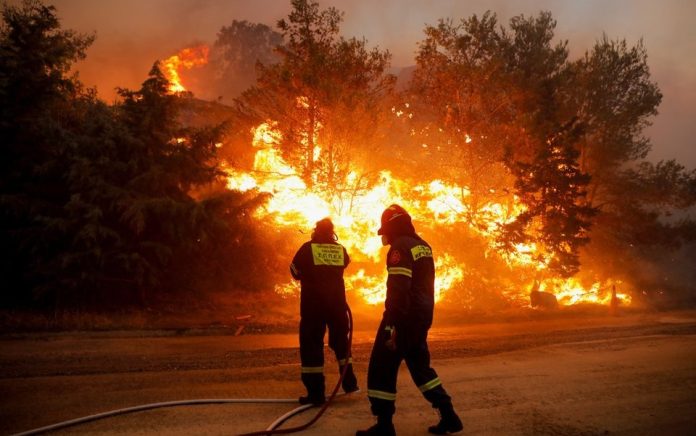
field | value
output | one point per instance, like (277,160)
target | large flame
(186,58)
(294,204)
(571,291)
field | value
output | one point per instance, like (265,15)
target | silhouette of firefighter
(319,265)
(403,332)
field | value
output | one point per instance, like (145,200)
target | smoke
(132,34)
(673,131)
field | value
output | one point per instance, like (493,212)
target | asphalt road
(631,374)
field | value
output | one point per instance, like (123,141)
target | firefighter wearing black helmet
(403,332)
(319,265)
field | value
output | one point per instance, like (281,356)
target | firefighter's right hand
(391,342)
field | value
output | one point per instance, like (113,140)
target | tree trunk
(309,167)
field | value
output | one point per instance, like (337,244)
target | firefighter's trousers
(312,331)
(384,365)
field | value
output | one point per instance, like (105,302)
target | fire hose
(328,400)
(133,409)
(271,429)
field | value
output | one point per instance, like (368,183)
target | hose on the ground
(271,429)
(321,411)
(282,418)
(142,407)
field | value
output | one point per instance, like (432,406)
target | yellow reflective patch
(389,396)
(312,369)
(395,270)
(431,384)
(327,254)
(421,251)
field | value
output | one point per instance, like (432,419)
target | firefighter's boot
(314,382)
(449,422)
(350,382)
(316,400)
(384,427)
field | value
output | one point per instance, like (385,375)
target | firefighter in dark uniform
(319,265)
(403,332)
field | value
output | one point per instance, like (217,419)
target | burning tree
(643,206)
(493,100)
(557,217)
(509,156)
(462,107)
(326,95)
(489,106)
(223,70)
(493,111)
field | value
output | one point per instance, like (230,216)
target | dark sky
(132,34)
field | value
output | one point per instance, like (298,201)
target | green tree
(135,172)
(136,231)
(643,207)
(557,218)
(36,112)
(642,229)
(615,98)
(482,92)
(98,207)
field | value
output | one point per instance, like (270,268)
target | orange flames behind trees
(293,204)
(186,59)
(357,214)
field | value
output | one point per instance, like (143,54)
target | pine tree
(36,115)
(557,218)
(326,91)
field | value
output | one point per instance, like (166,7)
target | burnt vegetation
(105,206)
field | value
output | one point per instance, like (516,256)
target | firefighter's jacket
(410,285)
(319,268)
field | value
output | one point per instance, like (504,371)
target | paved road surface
(623,375)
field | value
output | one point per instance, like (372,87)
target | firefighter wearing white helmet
(319,265)
(403,332)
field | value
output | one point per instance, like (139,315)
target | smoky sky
(132,34)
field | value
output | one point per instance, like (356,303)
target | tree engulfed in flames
(293,204)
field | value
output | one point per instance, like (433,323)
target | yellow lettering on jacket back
(327,254)
(421,251)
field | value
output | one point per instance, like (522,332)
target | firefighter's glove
(391,341)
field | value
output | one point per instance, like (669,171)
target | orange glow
(571,291)
(295,205)
(185,59)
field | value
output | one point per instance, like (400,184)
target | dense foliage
(325,90)
(123,204)
(505,112)
(97,205)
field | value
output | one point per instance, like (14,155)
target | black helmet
(394,216)
(324,230)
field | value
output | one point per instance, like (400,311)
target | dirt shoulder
(623,375)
